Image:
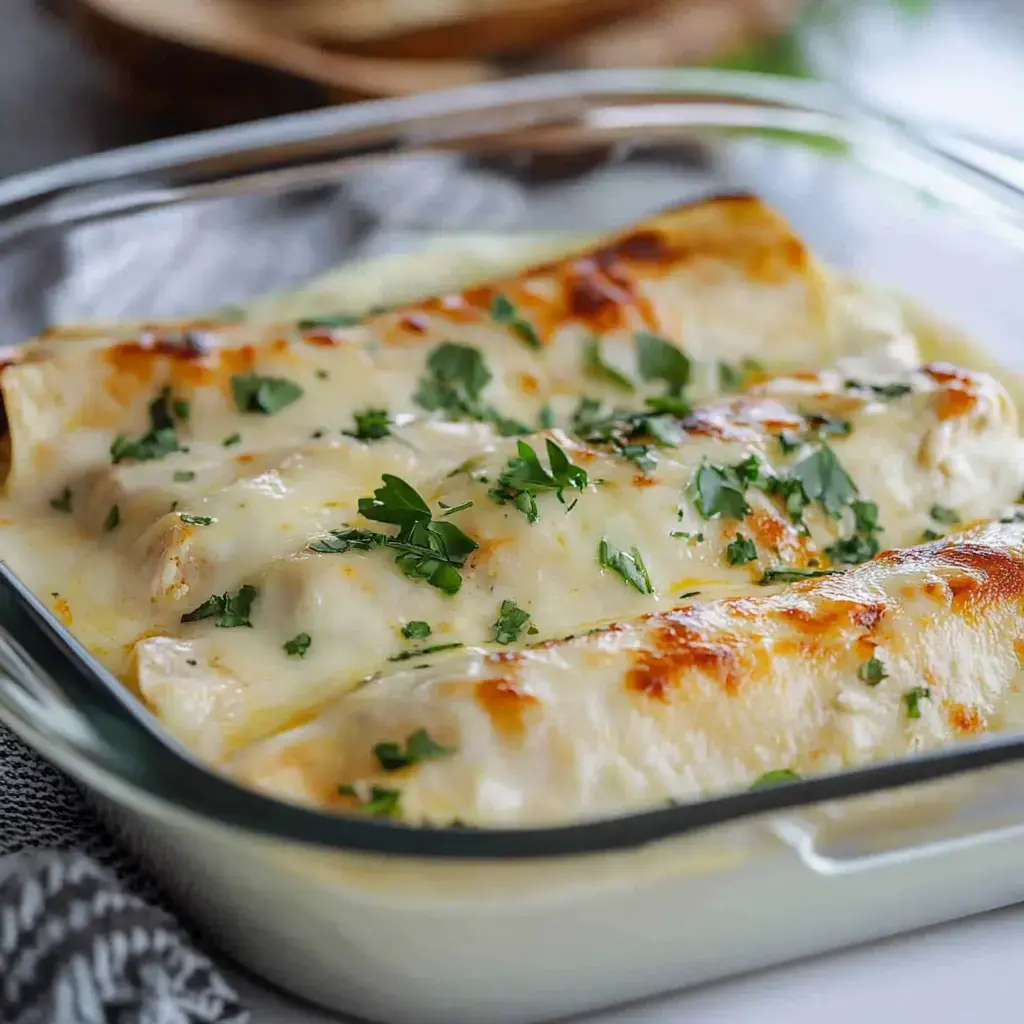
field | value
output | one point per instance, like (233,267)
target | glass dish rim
(215,797)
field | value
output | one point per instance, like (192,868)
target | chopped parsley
(112,520)
(231,439)
(416,630)
(823,425)
(597,366)
(693,538)
(718,491)
(930,535)
(736,378)
(183,476)
(229,609)
(947,516)
(298,645)
(267,395)
(824,479)
(793,575)
(381,803)
(427,549)
(62,503)
(457,376)
(338,320)
(371,425)
(912,698)
(546,418)
(775,778)
(195,520)
(525,476)
(160,440)
(450,510)
(863,545)
(741,550)
(182,408)
(419,746)
(670,405)
(643,456)
(433,649)
(688,594)
(872,672)
(504,312)
(883,391)
(658,359)
(321,374)
(628,564)
(510,623)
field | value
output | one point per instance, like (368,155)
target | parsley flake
(912,698)
(772,576)
(872,672)
(381,803)
(298,645)
(267,395)
(62,503)
(337,320)
(741,550)
(450,510)
(112,520)
(597,366)
(824,479)
(947,516)
(688,594)
(775,778)
(434,649)
(716,492)
(229,609)
(736,378)
(628,564)
(195,520)
(183,476)
(929,535)
(231,439)
(510,623)
(160,440)
(525,476)
(416,630)
(371,425)
(658,359)
(504,312)
(419,746)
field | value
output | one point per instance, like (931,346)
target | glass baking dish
(399,924)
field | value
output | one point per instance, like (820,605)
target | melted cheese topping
(163,470)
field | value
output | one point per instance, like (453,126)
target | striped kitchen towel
(78,945)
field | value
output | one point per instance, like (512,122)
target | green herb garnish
(62,503)
(658,359)
(433,649)
(863,545)
(688,594)
(382,802)
(598,366)
(824,479)
(229,609)
(912,698)
(298,645)
(416,630)
(419,746)
(112,520)
(450,510)
(267,395)
(510,623)
(929,535)
(775,778)
(883,391)
(231,439)
(948,516)
(160,440)
(195,520)
(525,476)
(793,575)
(371,425)
(741,550)
(338,320)
(872,672)
(183,476)
(736,378)
(717,491)
(504,312)
(628,564)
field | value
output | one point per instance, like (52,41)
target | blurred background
(82,75)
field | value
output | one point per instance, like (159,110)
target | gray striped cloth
(85,938)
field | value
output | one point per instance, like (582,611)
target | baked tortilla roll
(915,649)
(800,474)
(723,281)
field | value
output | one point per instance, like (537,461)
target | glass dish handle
(956,816)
